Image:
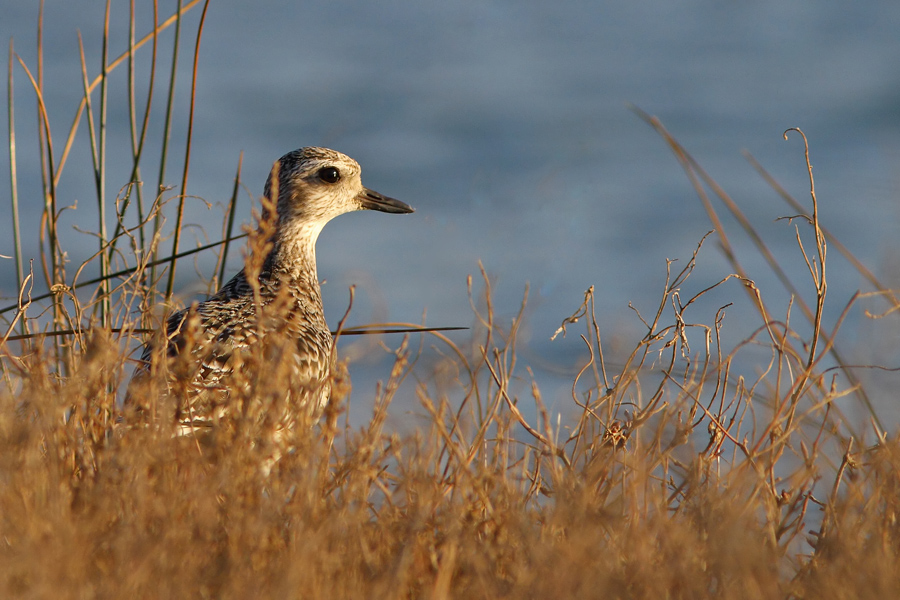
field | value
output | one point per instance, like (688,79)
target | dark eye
(329,174)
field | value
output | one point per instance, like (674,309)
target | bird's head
(317,184)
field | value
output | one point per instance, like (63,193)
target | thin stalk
(53,275)
(232,204)
(95,155)
(50,213)
(39,84)
(137,141)
(187,155)
(132,124)
(349,331)
(13,182)
(132,130)
(695,172)
(167,127)
(817,272)
(128,271)
(95,150)
(110,68)
(105,306)
(831,239)
(49,273)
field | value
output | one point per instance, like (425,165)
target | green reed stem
(232,204)
(137,139)
(187,155)
(110,68)
(105,305)
(167,127)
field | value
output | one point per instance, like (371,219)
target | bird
(270,311)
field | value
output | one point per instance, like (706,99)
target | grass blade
(167,127)
(13,182)
(229,227)
(187,156)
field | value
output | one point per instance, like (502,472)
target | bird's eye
(329,174)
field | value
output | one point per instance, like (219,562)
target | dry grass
(675,478)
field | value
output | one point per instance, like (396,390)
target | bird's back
(239,341)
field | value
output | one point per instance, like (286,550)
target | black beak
(372,200)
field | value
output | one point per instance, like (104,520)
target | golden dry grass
(679,492)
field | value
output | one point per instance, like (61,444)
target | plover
(274,315)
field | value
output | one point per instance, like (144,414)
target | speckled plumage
(314,185)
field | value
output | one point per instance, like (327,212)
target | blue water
(505,124)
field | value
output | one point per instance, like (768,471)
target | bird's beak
(372,200)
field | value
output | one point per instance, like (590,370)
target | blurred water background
(505,124)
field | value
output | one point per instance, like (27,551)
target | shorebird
(271,311)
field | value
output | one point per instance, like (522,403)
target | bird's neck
(292,260)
